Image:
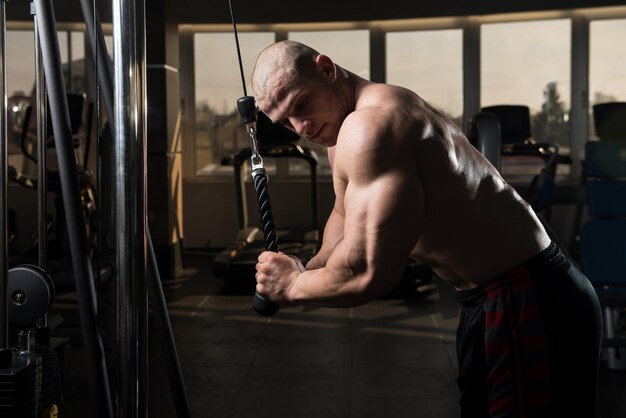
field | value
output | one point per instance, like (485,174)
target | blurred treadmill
(236,263)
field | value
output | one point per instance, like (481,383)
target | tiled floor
(390,358)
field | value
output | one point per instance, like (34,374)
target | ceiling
(290,11)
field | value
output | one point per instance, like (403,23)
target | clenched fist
(276,274)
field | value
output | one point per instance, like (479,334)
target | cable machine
(135,267)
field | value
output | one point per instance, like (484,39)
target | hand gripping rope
(246,106)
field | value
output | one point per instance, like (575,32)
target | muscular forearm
(321,287)
(347,280)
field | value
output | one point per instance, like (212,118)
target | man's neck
(347,82)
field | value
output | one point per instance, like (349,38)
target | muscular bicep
(333,234)
(382,206)
(333,230)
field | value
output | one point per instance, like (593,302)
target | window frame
(470,26)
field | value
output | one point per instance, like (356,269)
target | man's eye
(301,105)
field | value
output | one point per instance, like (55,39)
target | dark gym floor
(393,357)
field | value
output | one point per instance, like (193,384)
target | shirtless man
(408,183)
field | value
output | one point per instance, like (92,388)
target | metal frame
(83,274)
(129,66)
(5,350)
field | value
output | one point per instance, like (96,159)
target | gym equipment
(81,258)
(485,135)
(514,122)
(129,129)
(31,380)
(76,105)
(83,274)
(155,289)
(608,119)
(516,140)
(5,349)
(603,240)
(247,110)
(35,381)
(36,378)
(246,106)
(52,229)
(31,293)
(236,263)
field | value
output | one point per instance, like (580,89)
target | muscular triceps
(381,227)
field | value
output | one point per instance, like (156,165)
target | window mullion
(579,114)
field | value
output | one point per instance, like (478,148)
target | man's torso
(473,225)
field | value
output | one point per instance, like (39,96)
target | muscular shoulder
(383,113)
(373,140)
(369,127)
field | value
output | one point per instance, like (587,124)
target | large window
(528,63)
(218,85)
(348,48)
(20,73)
(430,63)
(607,63)
(507,60)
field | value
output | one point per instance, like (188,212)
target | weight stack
(35,382)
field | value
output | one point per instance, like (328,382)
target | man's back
(473,225)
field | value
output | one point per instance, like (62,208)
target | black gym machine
(28,289)
(32,376)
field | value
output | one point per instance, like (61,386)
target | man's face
(311,108)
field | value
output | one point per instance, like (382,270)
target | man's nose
(301,126)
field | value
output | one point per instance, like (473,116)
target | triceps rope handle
(247,110)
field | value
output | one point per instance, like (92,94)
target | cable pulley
(246,106)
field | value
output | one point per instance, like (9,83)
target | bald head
(279,65)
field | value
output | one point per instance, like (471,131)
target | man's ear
(326,67)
